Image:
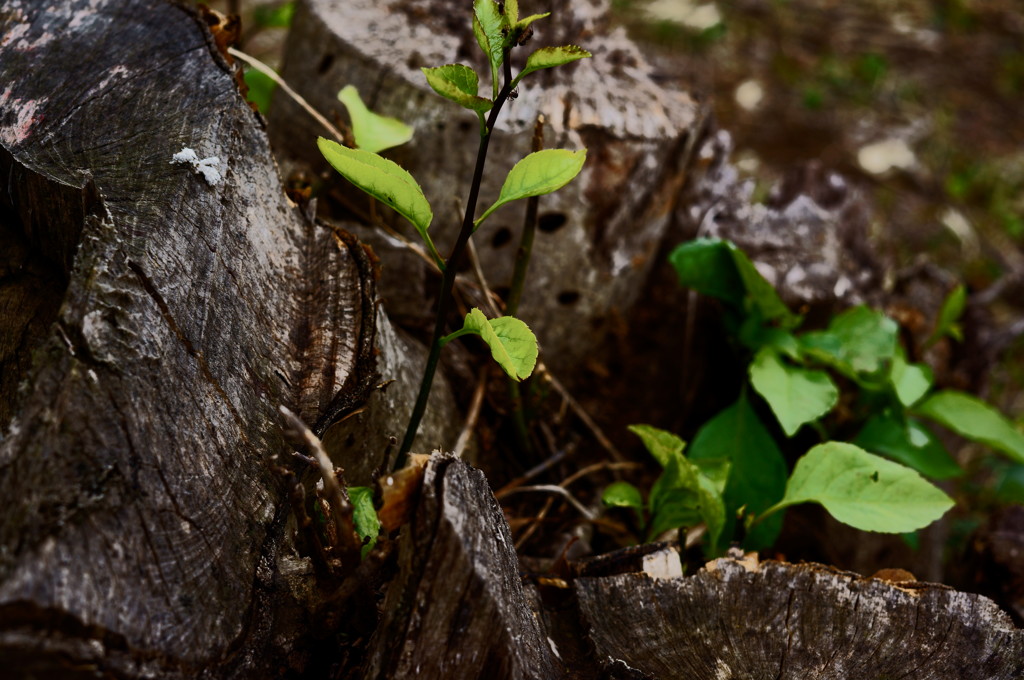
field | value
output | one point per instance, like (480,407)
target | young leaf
(364,516)
(512,343)
(549,57)
(490,27)
(623,495)
(706,266)
(909,381)
(384,180)
(261,89)
(952,308)
(796,395)
(719,269)
(757,475)
(863,490)
(519,26)
(458,83)
(974,419)
(512,11)
(859,343)
(684,496)
(539,173)
(762,294)
(372,132)
(662,445)
(754,335)
(716,470)
(908,442)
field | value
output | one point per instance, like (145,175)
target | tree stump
(598,235)
(153,321)
(456,609)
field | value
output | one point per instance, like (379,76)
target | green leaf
(858,343)
(755,335)
(372,132)
(974,419)
(682,497)
(364,516)
(662,445)
(268,16)
(384,180)
(458,83)
(757,474)
(623,495)
(519,26)
(760,292)
(706,266)
(549,57)
(511,11)
(908,442)
(539,173)
(715,469)
(796,395)
(952,309)
(261,89)
(513,345)
(490,27)
(863,490)
(1010,487)
(910,382)
(719,269)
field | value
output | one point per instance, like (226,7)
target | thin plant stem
(451,265)
(516,293)
(529,229)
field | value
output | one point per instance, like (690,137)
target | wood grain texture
(598,235)
(457,608)
(782,621)
(143,530)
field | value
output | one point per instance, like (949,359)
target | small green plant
(498,30)
(874,482)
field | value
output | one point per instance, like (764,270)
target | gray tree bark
(152,324)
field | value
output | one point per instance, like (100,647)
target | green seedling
(874,483)
(498,30)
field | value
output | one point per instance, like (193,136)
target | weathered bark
(456,608)
(154,323)
(597,235)
(777,620)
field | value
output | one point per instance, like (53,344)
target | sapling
(498,30)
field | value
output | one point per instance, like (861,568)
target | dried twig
(561,491)
(581,413)
(472,416)
(335,489)
(272,74)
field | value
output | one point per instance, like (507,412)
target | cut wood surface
(737,619)
(143,528)
(457,608)
(598,235)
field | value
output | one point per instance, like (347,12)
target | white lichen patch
(209,167)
